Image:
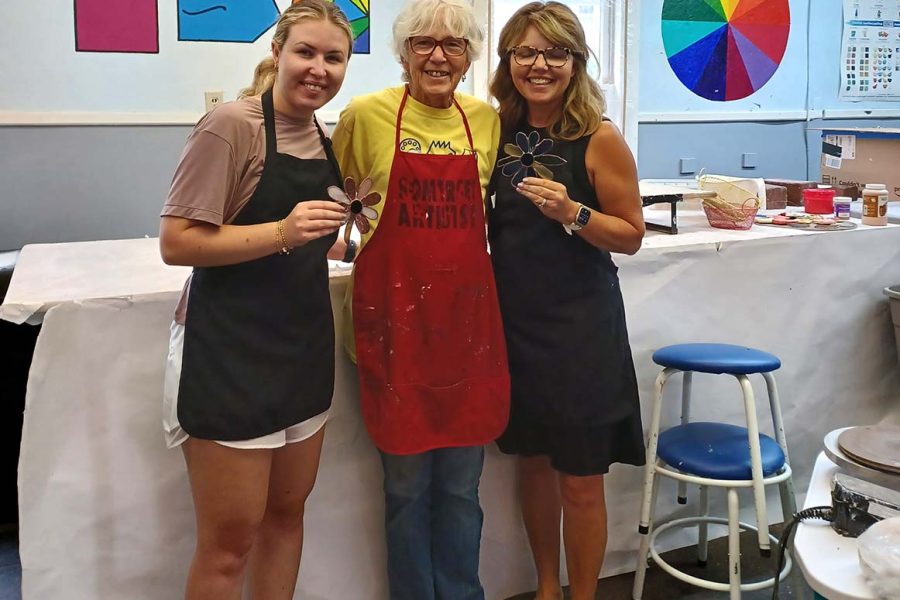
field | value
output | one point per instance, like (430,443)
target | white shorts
(175,435)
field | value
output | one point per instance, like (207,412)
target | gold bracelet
(283,248)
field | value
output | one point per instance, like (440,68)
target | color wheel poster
(870,50)
(725,50)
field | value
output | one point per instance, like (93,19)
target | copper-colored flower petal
(364,186)
(362,224)
(371,199)
(507,160)
(350,187)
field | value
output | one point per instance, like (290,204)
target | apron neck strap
(455,103)
(329,151)
(268,106)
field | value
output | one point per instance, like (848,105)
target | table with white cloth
(829,561)
(106,509)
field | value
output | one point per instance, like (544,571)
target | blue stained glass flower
(529,157)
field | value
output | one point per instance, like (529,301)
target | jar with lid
(818,201)
(842,208)
(874,209)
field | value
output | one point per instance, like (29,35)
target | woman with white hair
(427,336)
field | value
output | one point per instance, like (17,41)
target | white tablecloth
(829,562)
(106,510)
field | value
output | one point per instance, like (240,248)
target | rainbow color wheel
(357,12)
(725,49)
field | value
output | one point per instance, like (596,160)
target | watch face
(584,215)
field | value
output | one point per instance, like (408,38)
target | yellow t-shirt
(364,145)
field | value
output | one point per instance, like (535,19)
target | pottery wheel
(876,446)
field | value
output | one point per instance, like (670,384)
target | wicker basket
(735,204)
(724,215)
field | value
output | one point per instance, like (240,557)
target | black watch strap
(350,252)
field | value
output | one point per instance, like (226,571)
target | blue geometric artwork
(225,20)
(357,12)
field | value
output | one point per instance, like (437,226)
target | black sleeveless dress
(574,391)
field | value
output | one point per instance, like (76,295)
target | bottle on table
(874,209)
(842,208)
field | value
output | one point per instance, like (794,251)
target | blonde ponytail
(300,10)
(263,78)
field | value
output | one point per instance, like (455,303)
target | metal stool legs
(656,468)
(786,489)
(759,488)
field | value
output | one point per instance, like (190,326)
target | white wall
(44,78)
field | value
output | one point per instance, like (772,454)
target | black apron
(259,335)
(569,358)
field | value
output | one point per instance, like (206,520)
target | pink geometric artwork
(117,26)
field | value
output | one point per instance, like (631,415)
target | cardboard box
(855,156)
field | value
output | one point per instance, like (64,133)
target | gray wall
(784,150)
(718,147)
(64,184)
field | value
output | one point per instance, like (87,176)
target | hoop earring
(464,77)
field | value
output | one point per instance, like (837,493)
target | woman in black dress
(566,197)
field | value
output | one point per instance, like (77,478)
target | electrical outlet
(748,160)
(213,99)
(687,166)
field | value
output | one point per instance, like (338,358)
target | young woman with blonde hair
(566,197)
(250,372)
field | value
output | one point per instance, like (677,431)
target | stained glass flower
(529,157)
(359,202)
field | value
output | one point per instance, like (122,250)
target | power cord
(823,513)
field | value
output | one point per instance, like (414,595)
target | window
(604,23)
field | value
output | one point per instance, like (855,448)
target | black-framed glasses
(526,56)
(425,45)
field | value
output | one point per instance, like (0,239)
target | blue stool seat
(716,451)
(716,358)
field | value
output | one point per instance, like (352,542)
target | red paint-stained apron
(429,338)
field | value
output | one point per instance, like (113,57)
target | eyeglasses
(425,45)
(526,56)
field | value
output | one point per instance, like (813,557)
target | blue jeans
(433,524)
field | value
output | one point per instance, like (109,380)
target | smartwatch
(581,219)
(350,252)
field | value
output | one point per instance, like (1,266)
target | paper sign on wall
(870,50)
(116,26)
